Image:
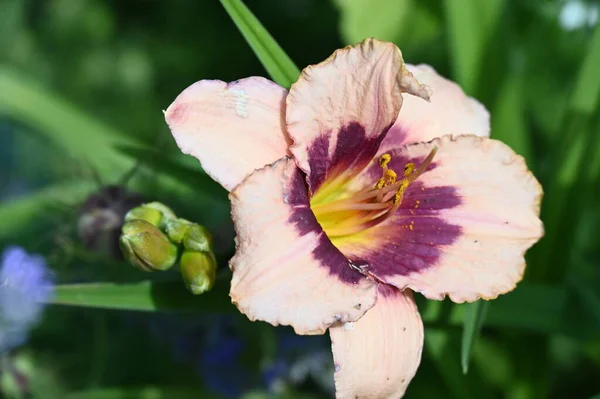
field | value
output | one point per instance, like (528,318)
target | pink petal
(450,111)
(463,226)
(377,356)
(232,128)
(339,110)
(285,270)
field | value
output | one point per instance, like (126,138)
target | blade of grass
(568,192)
(144,296)
(19,213)
(474,317)
(141,393)
(277,63)
(193,177)
(63,124)
(470,25)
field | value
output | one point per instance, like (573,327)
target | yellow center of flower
(342,213)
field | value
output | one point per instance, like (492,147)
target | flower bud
(146,247)
(198,238)
(199,270)
(154,213)
(176,229)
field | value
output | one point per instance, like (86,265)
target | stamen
(384,160)
(371,205)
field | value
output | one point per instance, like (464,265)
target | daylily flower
(343,205)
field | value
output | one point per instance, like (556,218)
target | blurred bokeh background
(82,139)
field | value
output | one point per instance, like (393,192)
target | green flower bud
(199,271)
(154,213)
(176,229)
(146,247)
(150,215)
(198,238)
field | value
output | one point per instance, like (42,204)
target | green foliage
(274,59)
(143,296)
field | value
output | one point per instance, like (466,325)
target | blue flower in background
(25,285)
(220,363)
(299,359)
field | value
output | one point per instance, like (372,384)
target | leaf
(360,19)
(538,308)
(470,24)
(193,177)
(508,122)
(82,136)
(474,317)
(587,89)
(277,63)
(18,214)
(144,296)
(141,393)
(567,194)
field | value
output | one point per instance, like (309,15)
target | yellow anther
(380,183)
(390,176)
(408,169)
(384,160)
(400,193)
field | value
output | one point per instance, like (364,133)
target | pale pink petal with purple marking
(377,356)
(232,128)
(339,110)
(463,227)
(450,111)
(286,270)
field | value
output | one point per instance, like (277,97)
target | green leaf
(194,177)
(277,63)
(508,121)
(141,393)
(474,317)
(470,25)
(82,136)
(360,19)
(587,89)
(20,213)
(144,296)
(538,308)
(567,194)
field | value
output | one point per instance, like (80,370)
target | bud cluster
(153,238)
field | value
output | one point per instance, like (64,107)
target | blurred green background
(82,86)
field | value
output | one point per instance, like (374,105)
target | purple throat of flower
(372,205)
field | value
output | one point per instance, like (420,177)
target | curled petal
(285,270)
(463,227)
(377,356)
(232,128)
(449,111)
(339,110)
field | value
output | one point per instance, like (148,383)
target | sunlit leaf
(470,24)
(361,18)
(144,296)
(277,63)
